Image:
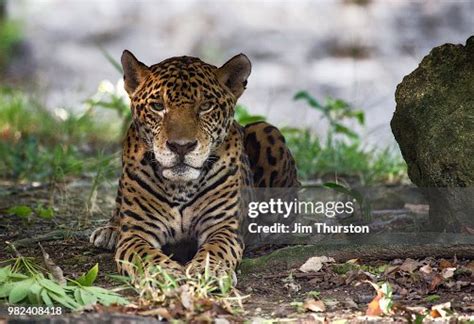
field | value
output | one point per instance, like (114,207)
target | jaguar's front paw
(196,268)
(105,237)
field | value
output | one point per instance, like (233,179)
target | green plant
(113,97)
(25,212)
(364,205)
(244,117)
(10,35)
(342,153)
(22,281)
(37,144)
(432,298)
(386,297)
(314,294)
(105,167)
(336,112)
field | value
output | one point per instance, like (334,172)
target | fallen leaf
(397,261)
(353,261)
(373,309)
(162,312)
(350,303)
(186,297)
(436,281)
(443,264)
(314,305)
(461,284)
(467,229)
(448,272)
(314,264)
(442,309)
(426,269)
(390,269)
(358,275)
(409,265)
(434,313)
(470,267)
(331,302)
(416,309)
(382,302)
(314,318)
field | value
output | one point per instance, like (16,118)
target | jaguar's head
(183,108)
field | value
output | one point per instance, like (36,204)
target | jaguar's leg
(106,236)
(221,252)
(132,248)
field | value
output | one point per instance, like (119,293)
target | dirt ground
(277,292)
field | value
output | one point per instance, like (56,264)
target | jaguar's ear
(234,73)
(134,72)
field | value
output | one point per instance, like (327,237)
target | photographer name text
(298,228)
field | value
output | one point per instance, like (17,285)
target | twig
(54,269)
(13,248)
(52,236)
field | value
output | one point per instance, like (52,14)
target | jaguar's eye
(205,107)
(157,107)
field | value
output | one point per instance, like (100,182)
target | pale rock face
(330,48)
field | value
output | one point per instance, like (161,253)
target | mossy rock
(434,126)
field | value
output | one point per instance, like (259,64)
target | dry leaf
(434,313)
(441,309)
(186,297)
(409,265)
(162,312)
(55,270)
(220,320)
(314,318)
(426,269)
(373,308)
(314,305)
(448,272)
(443,264)
(382,303)
(314,264)
(353,261)
(416,309)
(390,269)
(436,281)
(470,267)
(467,229)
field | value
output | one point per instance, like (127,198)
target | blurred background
(347,55)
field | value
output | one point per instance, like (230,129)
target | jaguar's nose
(181,147)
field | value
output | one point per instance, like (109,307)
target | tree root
(380,247)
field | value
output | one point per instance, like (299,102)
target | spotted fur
(184,163)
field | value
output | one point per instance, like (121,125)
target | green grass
(37,144)
(195,292)
(314,160)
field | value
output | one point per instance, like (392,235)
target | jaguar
(185,163)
